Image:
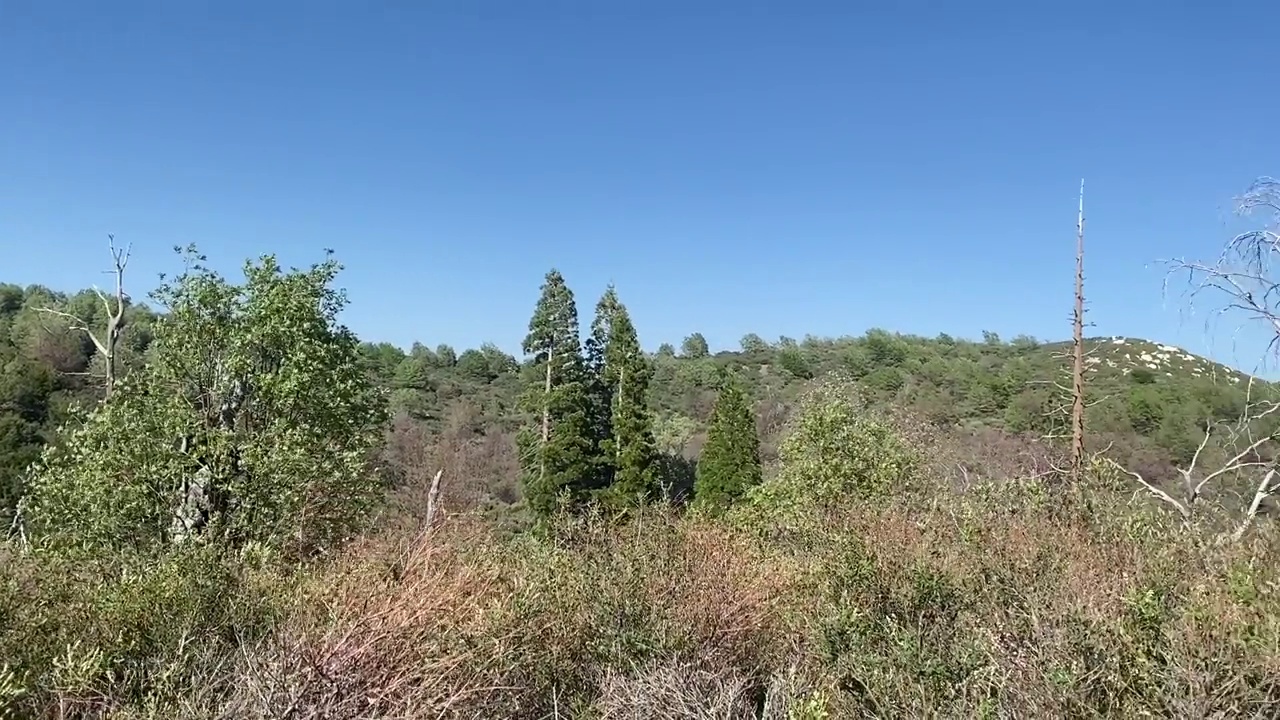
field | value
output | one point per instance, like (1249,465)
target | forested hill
(1148,401)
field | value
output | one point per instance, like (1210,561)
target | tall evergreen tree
(556,448)
(600,390)
(730,461)
(630,451)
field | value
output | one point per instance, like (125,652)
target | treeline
(1151,420)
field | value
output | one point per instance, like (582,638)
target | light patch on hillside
(1129,354)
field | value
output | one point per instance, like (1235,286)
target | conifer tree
(630,450)
(730,461)
(555,449)
(600,391)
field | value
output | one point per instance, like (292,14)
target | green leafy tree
(754,345)
(557,452)
(730,462)
(792,359)
(253,422)
(630,450)
(446,356)
(695,346)
(381,360)
(835,451)
(474,365)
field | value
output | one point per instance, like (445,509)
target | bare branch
(105,345)
(1182,509)
(1266,488)
(77,324)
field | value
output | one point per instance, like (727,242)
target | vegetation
(218,510)
(730,461)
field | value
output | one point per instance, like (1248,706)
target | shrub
(836,452)
(253,421)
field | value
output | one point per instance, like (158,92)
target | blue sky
(778,168)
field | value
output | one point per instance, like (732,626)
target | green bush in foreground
(251,422)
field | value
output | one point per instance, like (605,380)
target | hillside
(1128,355)
(890,525)
(1151,399)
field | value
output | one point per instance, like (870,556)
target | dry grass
(978,608)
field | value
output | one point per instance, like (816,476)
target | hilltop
(1127,355)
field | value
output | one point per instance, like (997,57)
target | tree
(446,356)
(695,346)
(600,390)
(730,462)
(556,450)
(253,422)
(753,344)
(836,450)
(1243,278)
(105,342)
(476,366)
(1077,353)
(629,449)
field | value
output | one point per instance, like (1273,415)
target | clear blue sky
(781,168)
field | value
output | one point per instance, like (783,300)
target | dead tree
(1077,360)
(1071,391)
(107,343)
(1243,281)
(1253,458)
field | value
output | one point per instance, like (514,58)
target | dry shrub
(466,625)
(973,610)
(990,604)
(688,691)
(481,466)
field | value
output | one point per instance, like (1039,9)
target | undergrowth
(888,610)
(856,582)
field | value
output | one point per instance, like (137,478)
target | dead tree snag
(106,343)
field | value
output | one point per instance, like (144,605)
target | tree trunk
(546,418)
(1077,365)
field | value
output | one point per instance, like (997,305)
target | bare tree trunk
(546,418)
(433,498)
(1077,365)
(106,345)
(114,319)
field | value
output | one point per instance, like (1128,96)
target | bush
(252,421)
(94,635)
(836,452)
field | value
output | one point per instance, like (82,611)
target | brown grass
(989,606)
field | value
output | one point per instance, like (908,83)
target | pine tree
(600,391)
(730,461)
(630,451)
(556,449)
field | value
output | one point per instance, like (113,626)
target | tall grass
(990,604)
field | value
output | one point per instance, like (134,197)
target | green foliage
(730,461)
(629,448)
(694,347)
(253,421)
(558,450)
(141,629)
(835,452)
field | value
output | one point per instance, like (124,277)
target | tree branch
(1182,509)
